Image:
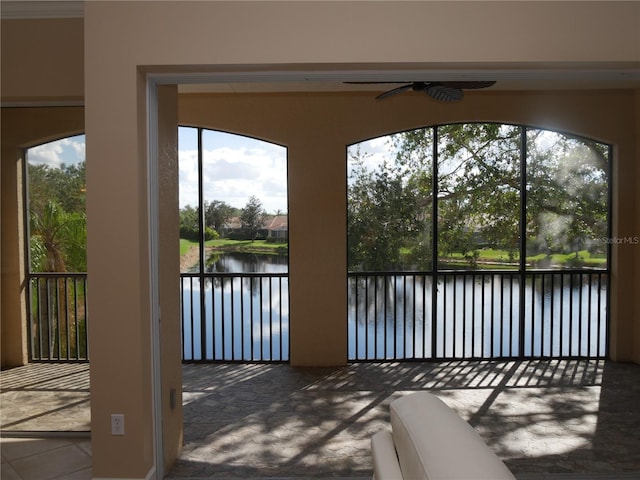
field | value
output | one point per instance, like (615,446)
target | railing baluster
(270,321)
(599,341)
(413,318)
(280,315)
(511,317)
(542,310)
(500,322)
(492,309)
(455,319)
(444,316)
(77,319)
(580,350)
(562,315)
(39,316)
(482,317)
(356,310)
(551,316)
(182,337)
(375,315)
(260,318)
(242,354)
(85,316)
(49,319)
(473,315)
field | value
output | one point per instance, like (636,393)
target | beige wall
(636,230)
(123,40)
(170,329)
(42,60)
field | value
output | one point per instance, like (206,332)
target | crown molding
(26,9)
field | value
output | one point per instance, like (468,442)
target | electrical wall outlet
(117,424)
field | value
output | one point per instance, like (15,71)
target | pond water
(238,262)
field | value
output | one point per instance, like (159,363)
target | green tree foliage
(217,213)
(252,217)
(478,188)
(567,194)
(381,217)
(190,225)
(58,226)
(58,240)
(65,185)
(479,176)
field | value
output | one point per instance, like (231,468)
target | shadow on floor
(41,397)
(547,419)
(541,417)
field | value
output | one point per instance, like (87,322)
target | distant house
(274,226)
(277,227)
(232,226)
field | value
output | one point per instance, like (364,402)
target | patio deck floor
(545,418)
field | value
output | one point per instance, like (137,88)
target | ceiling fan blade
(444,93)
(395,91)
(468,85)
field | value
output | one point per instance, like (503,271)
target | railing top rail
(558,271)
(57,274)
(233,275)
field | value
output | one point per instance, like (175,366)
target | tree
(64,185)
(190,223)
(252,217)
(567,202)
(217,213)
(478,188)
(381,217)
(57,218)
(479,199)
(58,240)
(189,217)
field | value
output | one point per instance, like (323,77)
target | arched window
(486,240)
(56,240)
(56,206)
(234,255)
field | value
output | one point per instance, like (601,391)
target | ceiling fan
(442,91)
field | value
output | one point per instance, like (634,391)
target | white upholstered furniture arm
(385,459)
(430,441)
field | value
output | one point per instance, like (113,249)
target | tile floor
(46,458)
(548,420)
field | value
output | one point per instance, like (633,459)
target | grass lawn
(257,246)
(186,245)
(492,255)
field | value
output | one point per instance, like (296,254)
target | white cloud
(68,151)
(373,152)
(236,172)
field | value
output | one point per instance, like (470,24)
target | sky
(69,151)
(234,167)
